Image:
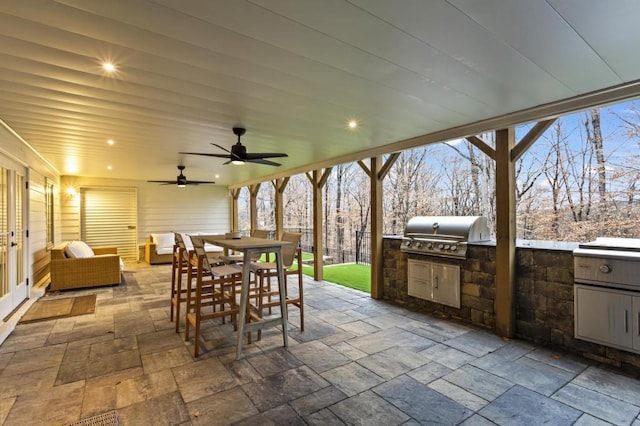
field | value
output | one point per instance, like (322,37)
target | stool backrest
(259,233)
(289,251)
(198,247)
(182,246)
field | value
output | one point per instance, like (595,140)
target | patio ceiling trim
(541,112)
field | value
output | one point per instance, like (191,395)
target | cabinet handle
(436,281)
(626,321)
(638,323)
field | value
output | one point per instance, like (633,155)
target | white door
(13,241)
(446,284)
(109,217)
(602,316)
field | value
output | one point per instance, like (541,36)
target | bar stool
(264,271)
(179,266)
(215,287)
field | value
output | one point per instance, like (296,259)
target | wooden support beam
(482,146)
(527,140)
(377,172)
(235,194)
(318,179)
(505,233)
(364,167)
(384,170)
(253,205)
(279,186)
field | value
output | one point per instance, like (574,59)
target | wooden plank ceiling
(293,72)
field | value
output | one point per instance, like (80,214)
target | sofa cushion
(164,250)
(163,241)
(78,249)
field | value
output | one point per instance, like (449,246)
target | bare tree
(594,137)
(400,188)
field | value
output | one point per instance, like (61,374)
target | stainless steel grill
(444,236)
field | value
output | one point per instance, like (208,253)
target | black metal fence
(360,254)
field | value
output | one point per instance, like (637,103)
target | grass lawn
(347,274)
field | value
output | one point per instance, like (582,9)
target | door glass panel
(4,233)
(19,229)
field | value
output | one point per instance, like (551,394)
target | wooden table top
(243,243)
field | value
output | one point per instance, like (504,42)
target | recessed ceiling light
(109,168)
(217,176)
(353,124)
(110,142)
(108,67)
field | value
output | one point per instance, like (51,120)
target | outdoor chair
(214,292)
(264,271)
(180,265)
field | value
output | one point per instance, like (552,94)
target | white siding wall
(161,208)
(37,228)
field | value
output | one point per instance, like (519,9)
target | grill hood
(460,228)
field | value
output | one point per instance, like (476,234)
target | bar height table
(249,246)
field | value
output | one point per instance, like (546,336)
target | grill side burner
(444,236)
(608,262)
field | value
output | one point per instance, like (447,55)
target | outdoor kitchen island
(544,294)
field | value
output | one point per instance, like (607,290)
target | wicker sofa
(158,248)
(104,268)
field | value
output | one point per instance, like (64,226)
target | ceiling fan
(239,154)
(181,180)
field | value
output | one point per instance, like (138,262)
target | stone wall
(477,283)
(544,296)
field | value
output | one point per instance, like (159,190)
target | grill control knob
(605,269)
(440,246)
(446,246)
(418,245)
(429,245)
(454,247)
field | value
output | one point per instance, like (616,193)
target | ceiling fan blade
(198,182)
(257,156)
(221,147)
(164,182)
(207,154)
(262,161)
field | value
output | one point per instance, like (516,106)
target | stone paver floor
(359,361)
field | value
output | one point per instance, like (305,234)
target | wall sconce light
(71,192)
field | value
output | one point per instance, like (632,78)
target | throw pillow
(78,249)
(165,240)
